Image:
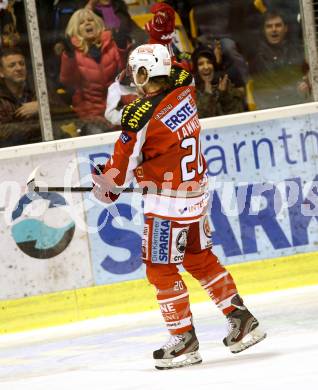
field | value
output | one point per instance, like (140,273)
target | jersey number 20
(194,147)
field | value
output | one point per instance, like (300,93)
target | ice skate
(243,328)
(181,350)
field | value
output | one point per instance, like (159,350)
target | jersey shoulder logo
(180,77)
(137,114)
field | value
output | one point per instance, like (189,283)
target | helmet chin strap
(141,91)
(140,85)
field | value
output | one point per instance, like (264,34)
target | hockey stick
(33,187)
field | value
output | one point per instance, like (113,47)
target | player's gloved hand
(162,25)
(103,183)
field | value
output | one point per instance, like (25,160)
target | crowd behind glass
(244,55)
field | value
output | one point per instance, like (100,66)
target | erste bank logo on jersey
(180,115)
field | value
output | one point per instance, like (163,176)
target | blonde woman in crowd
(90,62)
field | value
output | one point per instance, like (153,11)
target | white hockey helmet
(155,58)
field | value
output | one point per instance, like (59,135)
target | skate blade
(187,359)
(248,341)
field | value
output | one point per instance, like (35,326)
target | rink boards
(58,267)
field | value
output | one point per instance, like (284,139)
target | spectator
(18,106)
(215,94)
(116,17)
(225,65)
(247,15)
(277,66)
(291,11)
(90,62)
(19,122)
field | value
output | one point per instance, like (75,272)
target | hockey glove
(161,27)
(103,183)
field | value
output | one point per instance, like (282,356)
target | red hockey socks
(172,296)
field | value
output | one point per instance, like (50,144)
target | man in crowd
(18,107)
(277,65)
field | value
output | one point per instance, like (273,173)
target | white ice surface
(116,352)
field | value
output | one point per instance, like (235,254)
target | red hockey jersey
(160,147)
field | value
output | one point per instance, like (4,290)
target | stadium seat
(193,25)
(251,105)
(258,4)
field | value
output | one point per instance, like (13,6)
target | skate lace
(173,340)
(231,324)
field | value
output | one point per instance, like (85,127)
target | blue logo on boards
(115,236)
(42,227)
(160,241)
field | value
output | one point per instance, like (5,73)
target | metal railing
(309,12)
(38,70)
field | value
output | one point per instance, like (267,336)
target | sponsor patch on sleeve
(124,137)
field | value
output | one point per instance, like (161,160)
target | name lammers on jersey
(183,117)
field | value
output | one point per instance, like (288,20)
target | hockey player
(160,147)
